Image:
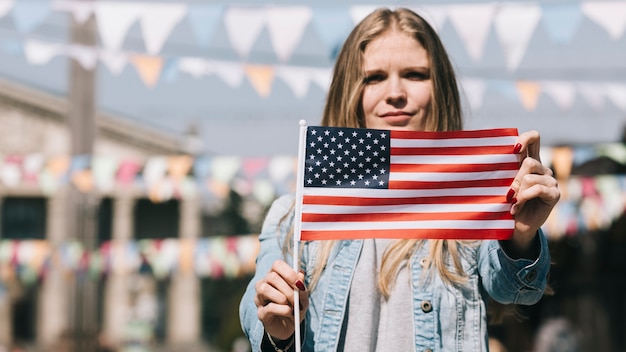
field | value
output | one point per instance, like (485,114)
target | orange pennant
(83,180)
(529,94)
(179,166)
(148,67)
(261,78)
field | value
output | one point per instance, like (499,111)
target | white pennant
(81,10)
(158,21)
(474,89)
(592,93)
(113,20)
(610,15)
(321,77)
(617,94)
(5,7)
(40,53)
(563,93)
(472,23)
(84,55)
(243,26)
(286,26)
(115,61)
(297,78)
(195,66)
(230,72)
(515,25)
(359,12)
(435,15)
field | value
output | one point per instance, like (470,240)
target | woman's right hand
(275,299)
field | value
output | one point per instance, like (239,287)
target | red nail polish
(517,148)
(513,200)
(509,195)
(300,285)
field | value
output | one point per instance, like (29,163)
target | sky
(566,51)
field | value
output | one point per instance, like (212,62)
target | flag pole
(297,229)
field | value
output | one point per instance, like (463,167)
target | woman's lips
(396,117)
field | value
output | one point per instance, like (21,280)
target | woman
(398,295)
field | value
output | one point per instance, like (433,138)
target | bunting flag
(363,183)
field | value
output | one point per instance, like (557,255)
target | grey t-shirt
(374,323)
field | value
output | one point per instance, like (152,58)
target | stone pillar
(184,306)
(52,315)
(6,328)
(116,295)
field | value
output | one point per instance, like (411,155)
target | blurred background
(141,143)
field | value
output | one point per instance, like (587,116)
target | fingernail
(300,285)
(301,271)
(513,200)
(517,148)
(509,195)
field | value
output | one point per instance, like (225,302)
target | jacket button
(424,262)
(531,276)
(426,306)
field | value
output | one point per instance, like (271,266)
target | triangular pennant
(561,21)
(40,53)
(286,25)
(204,18)
(617,94)
(83,180)
(321,77)
(592,93)
(504,87)
(84,55)
(170,70)
(529,94)
(474,89)
(243,25)
(252,166)
(224,168)
(127,172)
(113,21)
(515,25)
(231,73)
(261,77)
(610,15)
(115,61)
(332,27)
(30,14)
(435,15)
(472,23)
(280,167)
(103,168)
(563,93)
(359,12)
(5,7)
(178,166)
(195,66)
(158,21)
(81,10)
(148,67)
(297,78)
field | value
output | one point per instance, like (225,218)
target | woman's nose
(396,93)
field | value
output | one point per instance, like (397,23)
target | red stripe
(460,234)
(369,201)
(499,182)
(388,217)
(465,150)
(497,132)
(452,167)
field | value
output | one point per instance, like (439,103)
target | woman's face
(397,91)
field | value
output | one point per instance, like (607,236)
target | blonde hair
(343,109)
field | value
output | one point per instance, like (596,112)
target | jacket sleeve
(271,239)
(507,280)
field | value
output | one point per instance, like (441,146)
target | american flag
(365,183)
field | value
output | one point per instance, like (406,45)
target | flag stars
(381,183)
(369,134)
(382,171)
(333,139)
(327,132)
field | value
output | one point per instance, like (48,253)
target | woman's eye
(418,76)
(373,79)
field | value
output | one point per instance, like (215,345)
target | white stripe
(454,159)
(399,225)
(400,193)
(451,176)
(404,208)
(454,142)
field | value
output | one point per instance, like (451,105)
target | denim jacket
(446,318)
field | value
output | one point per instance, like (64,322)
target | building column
(6,328)
(184,304)
(52,318)
(116,294)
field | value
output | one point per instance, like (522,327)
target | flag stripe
(365,201)
(452,135)
(400,225)
(449,184)
(452,167)
(460,160)
(450,176)
(484,216)
(420,208)
(463,234)
(393,193)
(460,150)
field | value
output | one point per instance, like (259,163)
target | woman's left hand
(534,191)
